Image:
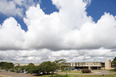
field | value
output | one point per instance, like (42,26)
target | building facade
(91,65)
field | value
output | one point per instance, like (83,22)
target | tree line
(114,63)
(46,67)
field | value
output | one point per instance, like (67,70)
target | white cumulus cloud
(11,35)
(69,34)
(38,56)
(15,7)
(9,8)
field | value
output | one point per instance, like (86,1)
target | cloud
(69,34)
(11,35)
(19,2)
(38,56)
(49,31)
(68,29)
(17,7)
(6,10)
(94,35)
(88,2)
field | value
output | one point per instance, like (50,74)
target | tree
(54,67)
(9,65)
(17,69)
(36,70)
(60,61)
(6,66)
(61,64)
(30,68)
(47,67)
(114,61)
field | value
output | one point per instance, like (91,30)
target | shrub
(18,71)
(115,69)
(12,70)
(86,71)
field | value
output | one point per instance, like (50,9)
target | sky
(33,31)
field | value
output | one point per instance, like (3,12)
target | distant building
(91,65)
(18,64)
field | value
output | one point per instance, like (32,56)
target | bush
(12,70)
(18,71)
(115,69)
(86,71)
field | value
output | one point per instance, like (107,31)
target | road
(97,72)
(12,74)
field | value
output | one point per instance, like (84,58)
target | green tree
(114,61)
(30,68)
(47,67)
(7,66)
(17,69)
(62,61)
(36,70)
(61,64)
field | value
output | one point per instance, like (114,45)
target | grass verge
(97,76)
(71,72)
(58,75)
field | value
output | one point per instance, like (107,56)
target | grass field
(57,75)
(80,74)
(97,76)
(71,72)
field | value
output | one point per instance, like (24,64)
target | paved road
(11,74)
(4,76)
(97,72)
(105,72)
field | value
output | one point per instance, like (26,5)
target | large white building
(91,65)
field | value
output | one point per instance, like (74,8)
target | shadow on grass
(58,75)
(52,75)
(46,75)
(55,75)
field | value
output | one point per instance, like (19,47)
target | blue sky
(98,7)
(70,31)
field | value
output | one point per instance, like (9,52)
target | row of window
(77,64)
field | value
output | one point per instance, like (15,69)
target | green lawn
(57,75)
(97,76)
(63,74)
(71,72)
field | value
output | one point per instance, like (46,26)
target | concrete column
(89,67)
(107,64)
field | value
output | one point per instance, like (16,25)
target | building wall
(92,65)
(89,65)
(107,64)
(98,64)
(18,64)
